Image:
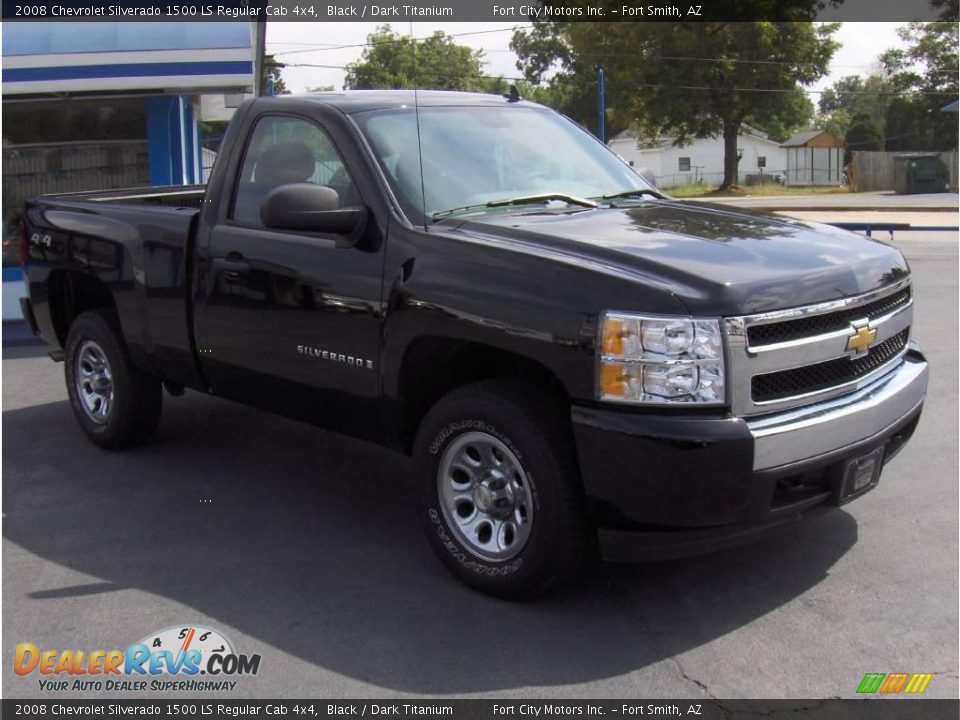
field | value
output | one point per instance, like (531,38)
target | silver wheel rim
(485,496)
(93,380)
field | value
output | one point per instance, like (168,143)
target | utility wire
(389,41)
(653,86)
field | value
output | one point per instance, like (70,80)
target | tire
(500,493)
(117,404)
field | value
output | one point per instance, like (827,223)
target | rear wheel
(500,490)
(116,404)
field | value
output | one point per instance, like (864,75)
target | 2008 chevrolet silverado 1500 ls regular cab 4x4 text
(575,362)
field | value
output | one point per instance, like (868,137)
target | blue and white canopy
(185,57)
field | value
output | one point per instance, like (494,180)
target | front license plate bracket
(861,474)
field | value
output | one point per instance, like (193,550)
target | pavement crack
(690,679)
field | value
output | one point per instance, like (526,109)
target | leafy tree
(865,133)
(686,79)
(794,113)
(924,74)
(851,96)
(393,60)
(271,70)
(837,122)
(856,94)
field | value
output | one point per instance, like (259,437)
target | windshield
(475,155)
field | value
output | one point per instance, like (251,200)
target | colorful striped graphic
(892,683)
(918,683)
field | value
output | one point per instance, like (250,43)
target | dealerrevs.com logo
(186,658)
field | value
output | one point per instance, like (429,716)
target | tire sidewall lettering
(467,562)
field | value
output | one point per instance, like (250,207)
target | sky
(861,43)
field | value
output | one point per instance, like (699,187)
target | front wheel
(500,490)
(116,403)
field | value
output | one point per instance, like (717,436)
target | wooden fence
(873,171)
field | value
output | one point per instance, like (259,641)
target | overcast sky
(861,43)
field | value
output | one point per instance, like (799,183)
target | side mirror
(313,208)
(648,177)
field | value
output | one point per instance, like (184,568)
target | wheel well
(432,367)
(72,293)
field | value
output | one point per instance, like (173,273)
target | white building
(814,157)
(702,159)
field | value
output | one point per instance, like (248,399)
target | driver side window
(285,150)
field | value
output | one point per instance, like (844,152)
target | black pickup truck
(577,363)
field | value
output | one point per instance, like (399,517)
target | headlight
(653,360)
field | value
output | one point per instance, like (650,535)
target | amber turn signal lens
(613,332)
(612,380)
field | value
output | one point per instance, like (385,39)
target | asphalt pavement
(300,545)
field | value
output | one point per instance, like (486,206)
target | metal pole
(601,106)
(260,34)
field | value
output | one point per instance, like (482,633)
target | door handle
(233,265)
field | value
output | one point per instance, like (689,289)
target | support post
(601,107)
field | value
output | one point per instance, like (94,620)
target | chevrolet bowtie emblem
(860,340)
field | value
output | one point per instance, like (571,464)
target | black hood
(716,261)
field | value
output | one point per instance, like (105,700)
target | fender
(140,257)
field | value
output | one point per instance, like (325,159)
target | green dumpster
(919,174)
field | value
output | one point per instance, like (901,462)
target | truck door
(288,321)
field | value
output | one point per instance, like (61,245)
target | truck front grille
(825,375)
(812,325)
(789,358)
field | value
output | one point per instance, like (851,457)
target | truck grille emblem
(862,336)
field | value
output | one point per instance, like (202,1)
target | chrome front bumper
(808,432)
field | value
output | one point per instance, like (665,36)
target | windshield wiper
(543,197)
(632,193)
(520,200)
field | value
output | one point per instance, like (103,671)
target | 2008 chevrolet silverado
(568,355)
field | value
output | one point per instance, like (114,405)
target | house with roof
(814,157)
(701,160)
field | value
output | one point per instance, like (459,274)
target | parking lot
(301,546)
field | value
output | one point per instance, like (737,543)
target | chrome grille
(825,375)
(799,356)
(812,325)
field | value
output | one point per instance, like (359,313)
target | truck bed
(139,244)
(167,196)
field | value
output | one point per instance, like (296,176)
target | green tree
(850,96)
(836,122)
(271,70)
(864,133)
(856,94)
(794,113)
(924,75)
(686,79)
(392,60)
